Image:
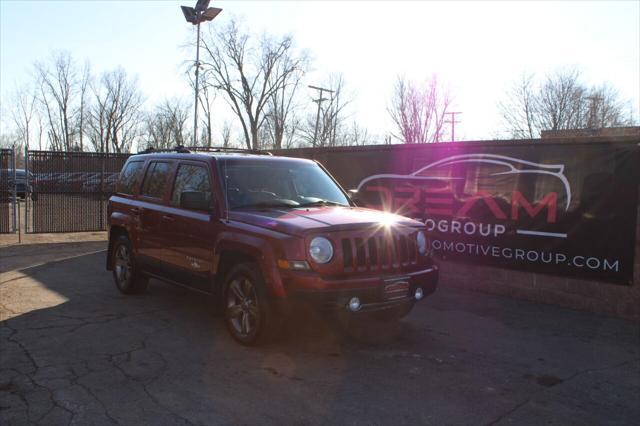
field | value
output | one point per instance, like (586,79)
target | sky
(477,49)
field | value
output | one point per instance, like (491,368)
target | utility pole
(452,121)
(595,99)
(319,101)
(335,117)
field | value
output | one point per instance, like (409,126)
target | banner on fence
(561,208)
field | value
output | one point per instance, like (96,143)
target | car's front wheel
(125,274)
(248,315)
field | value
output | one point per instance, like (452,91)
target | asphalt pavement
(75,351)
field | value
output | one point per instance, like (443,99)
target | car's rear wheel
(248,314)
(125,274)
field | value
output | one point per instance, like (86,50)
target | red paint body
(190,248)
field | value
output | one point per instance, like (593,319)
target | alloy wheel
(243,312)
(122,265)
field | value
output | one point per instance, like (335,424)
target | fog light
(354,304)
(419,294)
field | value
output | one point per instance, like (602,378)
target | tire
(128,279)
(248,314)
(393,314)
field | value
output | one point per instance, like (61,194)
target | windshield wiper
(322,203)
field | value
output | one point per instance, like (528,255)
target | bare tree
(281,113)
(60,87)
(418,111)
(356,135)
(249,73)
(165,127)
(226,134)
(85,81)
(560,102)
(115,116)
(23,113)
(519,110)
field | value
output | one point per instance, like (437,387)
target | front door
(189,234)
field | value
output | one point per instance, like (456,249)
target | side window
(155,179)
(190,178)
(129,177)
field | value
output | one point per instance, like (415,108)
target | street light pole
(195,15)
(195,112)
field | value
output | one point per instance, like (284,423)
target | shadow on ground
(21,256)
(74,350)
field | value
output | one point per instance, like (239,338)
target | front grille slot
(379,252)
(384,260)
(373,251)
(404,250)
(361,255)
(347,253)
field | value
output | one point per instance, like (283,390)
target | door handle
(134,210)
(168,218)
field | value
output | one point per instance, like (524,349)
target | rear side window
(155,179)
(129,177)
(190,178)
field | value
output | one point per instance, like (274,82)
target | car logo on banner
(472,186)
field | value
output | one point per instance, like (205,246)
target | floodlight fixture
(210,13)
(202,5)
(195,15)
(189,14)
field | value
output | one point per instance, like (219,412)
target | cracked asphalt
(75,351)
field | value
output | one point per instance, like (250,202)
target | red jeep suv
(266,235)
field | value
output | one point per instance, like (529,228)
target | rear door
(153,197)
(189,234)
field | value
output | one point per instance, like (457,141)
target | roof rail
(227,149)
(187,150)
(179,148)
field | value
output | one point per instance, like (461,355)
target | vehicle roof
(208,156)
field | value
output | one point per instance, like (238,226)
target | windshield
(279,184)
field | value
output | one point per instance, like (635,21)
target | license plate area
(397,289)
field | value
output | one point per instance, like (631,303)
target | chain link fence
(68,191)
(7,191)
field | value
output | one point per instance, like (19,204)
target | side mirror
(355,197)
(195,200)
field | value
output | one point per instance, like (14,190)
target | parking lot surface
(75,351)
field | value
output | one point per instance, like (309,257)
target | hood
(299,221)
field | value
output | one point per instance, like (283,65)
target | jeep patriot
(265,235)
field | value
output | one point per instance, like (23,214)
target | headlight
(421,240)
(321,250)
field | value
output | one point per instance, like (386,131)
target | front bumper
(311,291)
